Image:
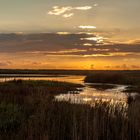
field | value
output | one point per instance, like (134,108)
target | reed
(28,111)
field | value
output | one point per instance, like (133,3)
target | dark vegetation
(28,111)
(113,78)
(102,86)
(133,89)
(101,122)
(128,78)
(51,72)
(66,72)
(22,104)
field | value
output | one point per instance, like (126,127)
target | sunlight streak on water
(92,95)
(87,95)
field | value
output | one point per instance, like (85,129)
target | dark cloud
(60,44)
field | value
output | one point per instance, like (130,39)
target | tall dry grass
(28,111)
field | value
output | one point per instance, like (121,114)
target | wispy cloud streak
(67,11)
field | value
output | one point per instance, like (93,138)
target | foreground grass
(101,122)
(21,100)
(28,111)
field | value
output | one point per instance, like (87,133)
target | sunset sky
(70,34)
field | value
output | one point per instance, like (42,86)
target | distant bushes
(64,72)
(112,78)
(131,79)
(133,89)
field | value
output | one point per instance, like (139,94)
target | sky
(70,34)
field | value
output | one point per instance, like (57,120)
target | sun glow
(63,33)
(86,27)
(97,39)
(88,44)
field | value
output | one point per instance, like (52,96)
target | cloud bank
(65,50)
(64,43)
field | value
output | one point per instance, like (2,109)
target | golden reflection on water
(91,95)
(78,99)
(88,95)
(64,78)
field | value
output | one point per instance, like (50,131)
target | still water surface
(88,93)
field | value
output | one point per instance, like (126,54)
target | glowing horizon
(70,34)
